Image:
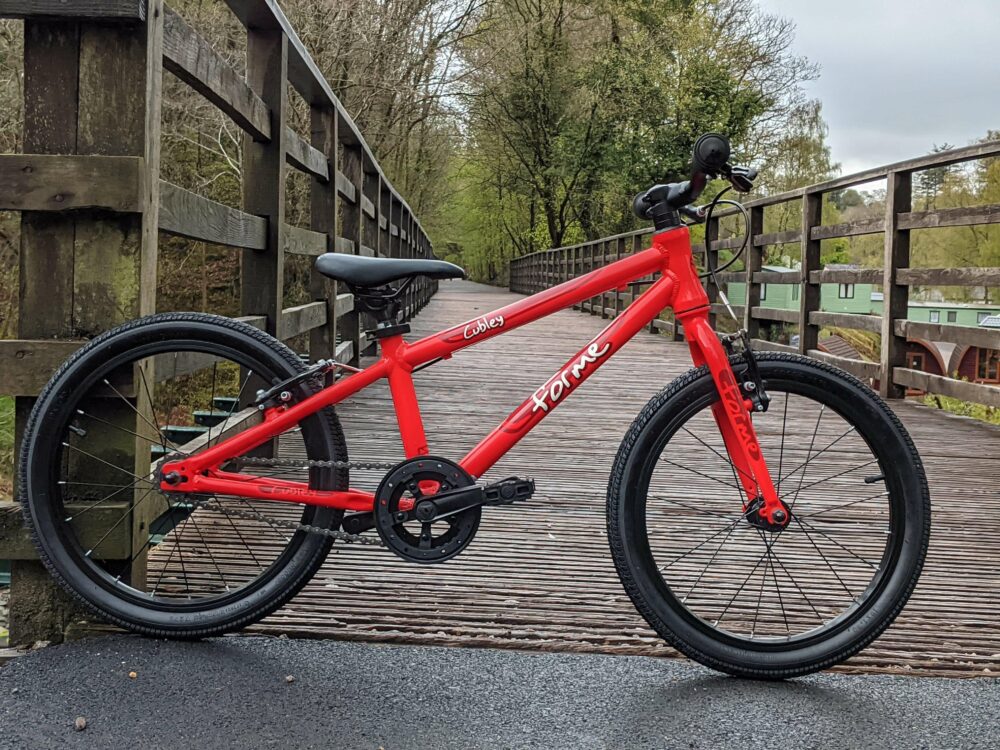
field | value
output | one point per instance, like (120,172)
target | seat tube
(404,398)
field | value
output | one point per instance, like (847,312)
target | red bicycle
(767,513)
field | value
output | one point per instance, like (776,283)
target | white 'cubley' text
(482,325)
(565,381)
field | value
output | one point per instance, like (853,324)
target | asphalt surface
(233,693)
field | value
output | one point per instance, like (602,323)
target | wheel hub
(781,518)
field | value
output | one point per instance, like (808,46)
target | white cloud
(899,76)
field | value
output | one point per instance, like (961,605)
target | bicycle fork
(732,415)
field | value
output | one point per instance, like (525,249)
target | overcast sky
(898,76)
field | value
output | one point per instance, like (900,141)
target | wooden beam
(960,389)
(849,229)
(847,276)
(344,351)
(49,182)
(773,313)
(257,321)
(193,60)
(772,346)
(302,318)
(299,241)
(346,188)
(344,304)
(304,157)
(104,10)
(856,321)
(951,217)
(778,238)
(988,338)
(857,367)
(344,245)
(188,214)
(777,277)
(948,276)
(26,365)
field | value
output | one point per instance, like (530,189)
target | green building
(861,298)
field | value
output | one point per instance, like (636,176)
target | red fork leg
(732,414)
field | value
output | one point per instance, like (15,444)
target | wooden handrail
(93,206)
(539,270)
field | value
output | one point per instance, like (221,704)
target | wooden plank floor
(540,576)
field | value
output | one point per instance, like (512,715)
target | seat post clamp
(385,330)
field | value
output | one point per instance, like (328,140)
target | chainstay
(291,463)
(295,463)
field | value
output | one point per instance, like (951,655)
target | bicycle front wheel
(161,564)
(750,601)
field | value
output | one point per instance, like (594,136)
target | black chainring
(423,542)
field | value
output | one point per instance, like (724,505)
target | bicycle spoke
(709,563)
(845,505)
(812,442)
(821,533)
(695,471)
(825,449)
(828,564)
(840,474)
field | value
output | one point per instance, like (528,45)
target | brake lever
(741,178)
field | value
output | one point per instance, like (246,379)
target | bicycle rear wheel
(160,564)
(747,600)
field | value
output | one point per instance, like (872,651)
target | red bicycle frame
(678,287)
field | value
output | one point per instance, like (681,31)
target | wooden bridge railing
(540,270)
(93,205)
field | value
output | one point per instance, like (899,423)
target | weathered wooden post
(812,216)
(262,274)
(91,88)
(350,222)
(323,218)
(754,262)
(711,257)
(898,199)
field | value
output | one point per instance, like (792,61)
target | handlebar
(709,159)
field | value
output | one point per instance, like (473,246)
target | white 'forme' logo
(549,394)
(482,325)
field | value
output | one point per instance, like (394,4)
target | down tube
(580,367)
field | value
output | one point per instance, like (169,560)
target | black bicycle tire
(323,438)
(664,613)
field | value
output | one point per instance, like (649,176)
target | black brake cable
(739,254)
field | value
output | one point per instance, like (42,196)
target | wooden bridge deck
(541,577)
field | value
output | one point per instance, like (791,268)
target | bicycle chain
(292,463)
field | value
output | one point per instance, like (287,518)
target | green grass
(964,408)
(6,446)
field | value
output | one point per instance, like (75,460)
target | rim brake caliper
(750,381)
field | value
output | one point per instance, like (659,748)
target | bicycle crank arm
(454,501)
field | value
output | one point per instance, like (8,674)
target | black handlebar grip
(711,152)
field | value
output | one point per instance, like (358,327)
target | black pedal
(509,491)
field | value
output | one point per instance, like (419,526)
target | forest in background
(512,126)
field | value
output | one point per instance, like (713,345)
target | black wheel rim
(199,558)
